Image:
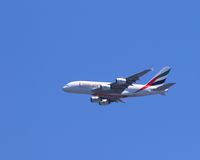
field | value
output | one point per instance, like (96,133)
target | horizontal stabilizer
(164,87)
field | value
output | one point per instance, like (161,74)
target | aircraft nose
(65,87)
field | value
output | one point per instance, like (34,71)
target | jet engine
(104,102)
(95,99)
(121,81)
(105,87)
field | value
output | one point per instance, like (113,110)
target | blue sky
(45,44)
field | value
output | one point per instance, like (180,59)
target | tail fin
(160,78)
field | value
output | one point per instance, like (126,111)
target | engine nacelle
(95,99)
(105,87)
(104,102)
(121,81)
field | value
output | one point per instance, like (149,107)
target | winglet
(151,69)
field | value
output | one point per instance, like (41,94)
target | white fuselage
(87,87)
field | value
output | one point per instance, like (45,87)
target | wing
(129,80)
(135,77)
(117,88)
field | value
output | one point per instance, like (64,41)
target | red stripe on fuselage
(148,84)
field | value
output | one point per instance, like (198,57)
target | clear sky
(45,44)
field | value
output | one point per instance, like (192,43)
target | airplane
(105,93)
